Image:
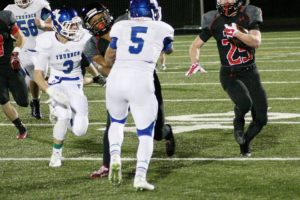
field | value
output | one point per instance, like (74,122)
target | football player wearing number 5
(61,49)
(11,78)
(133,51)
(30,16)
(238,74)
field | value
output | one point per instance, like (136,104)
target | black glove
(101,80)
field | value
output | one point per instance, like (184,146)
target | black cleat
(35,109)
(245,150)
(238,131)
(170,142)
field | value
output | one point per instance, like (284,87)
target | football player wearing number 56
(32,18)
(238,74)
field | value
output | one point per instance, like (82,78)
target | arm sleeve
(90,48)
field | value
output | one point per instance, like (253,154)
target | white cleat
(115,172)
(140,183)
(55,160)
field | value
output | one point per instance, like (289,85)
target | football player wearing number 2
(238,74)
(32,18)
(62,50)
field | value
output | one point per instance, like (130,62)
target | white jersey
(139,43)
(25,20)
(63,59)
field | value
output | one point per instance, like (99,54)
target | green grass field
(207,164)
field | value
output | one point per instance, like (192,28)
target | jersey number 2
(137,40)
(70,65)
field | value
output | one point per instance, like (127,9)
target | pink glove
(230,30)
(195,68)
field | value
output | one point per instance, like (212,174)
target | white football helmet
(23,3)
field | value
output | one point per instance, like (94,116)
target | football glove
(195,68)
(230,30)
(101,80)
(59,97)
(15,61)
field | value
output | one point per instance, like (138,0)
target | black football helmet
(229,9)
(100,25)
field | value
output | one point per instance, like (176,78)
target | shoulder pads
(254,13)
(208,18)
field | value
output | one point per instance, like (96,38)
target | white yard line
(163,159)
(173,123)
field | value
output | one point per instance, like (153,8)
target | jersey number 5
(137,40)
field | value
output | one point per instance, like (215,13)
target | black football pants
(243,86)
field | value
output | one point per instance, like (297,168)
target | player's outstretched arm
(194,56)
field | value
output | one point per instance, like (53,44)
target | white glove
(58,96)
(230,30)
(195,68)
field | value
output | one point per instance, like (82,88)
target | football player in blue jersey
(98,21)
(33,18)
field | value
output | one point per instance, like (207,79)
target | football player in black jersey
(98,21)
(235,26)
(11,78)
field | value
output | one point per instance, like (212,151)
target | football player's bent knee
(80,125)
(262,120)
(23,102)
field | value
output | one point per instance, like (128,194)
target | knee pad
(60,129)
(80,125)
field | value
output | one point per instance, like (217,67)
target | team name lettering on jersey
(26,16)
(68,55)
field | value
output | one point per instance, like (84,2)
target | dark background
(185,14)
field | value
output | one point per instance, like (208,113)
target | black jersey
(7,27)
(249,17)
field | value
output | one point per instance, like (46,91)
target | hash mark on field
(161,159)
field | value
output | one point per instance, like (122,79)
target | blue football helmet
(67,23)
(23,3)
(145,9)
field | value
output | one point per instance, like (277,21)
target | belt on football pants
(243,68)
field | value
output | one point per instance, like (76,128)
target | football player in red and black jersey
(235,27)
(11,77)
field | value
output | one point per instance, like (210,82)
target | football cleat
(22,136)
(102,172)
(170,142)
(55,160)
(163,67)
(35,109)
(245,150)
(115,173)
(140,184)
